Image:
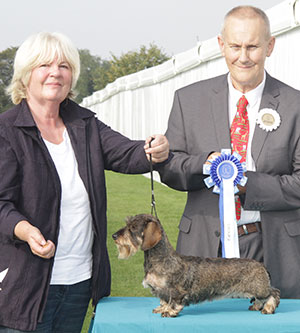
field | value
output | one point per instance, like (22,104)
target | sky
(118,26)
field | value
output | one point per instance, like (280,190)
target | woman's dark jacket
(30,190)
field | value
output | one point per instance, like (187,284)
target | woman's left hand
(159,148)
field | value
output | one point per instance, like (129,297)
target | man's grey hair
(247,12)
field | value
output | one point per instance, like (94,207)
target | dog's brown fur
(182,280)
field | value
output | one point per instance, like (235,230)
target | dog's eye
(133,228)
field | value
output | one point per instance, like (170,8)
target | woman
(52,192)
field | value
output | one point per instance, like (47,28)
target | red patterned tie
(239,132)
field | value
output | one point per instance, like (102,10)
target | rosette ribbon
(226,171)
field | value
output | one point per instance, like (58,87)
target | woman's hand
(159,148)
(36,241)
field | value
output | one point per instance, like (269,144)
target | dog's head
(142,231)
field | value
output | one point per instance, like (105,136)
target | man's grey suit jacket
(199,125)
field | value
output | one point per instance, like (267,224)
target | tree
(101,75)
(6,71)
(91,68)
(132,62)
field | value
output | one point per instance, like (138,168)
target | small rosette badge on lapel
(226,171)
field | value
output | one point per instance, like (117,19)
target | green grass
(130,195)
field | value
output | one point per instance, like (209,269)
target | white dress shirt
(254,98)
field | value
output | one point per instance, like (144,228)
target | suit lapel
(220,113)
(270,101)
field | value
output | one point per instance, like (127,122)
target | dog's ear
(128,219)
(152,235)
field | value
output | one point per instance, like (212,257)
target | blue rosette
(226,172)
(225,166)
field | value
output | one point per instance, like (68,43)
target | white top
(254,98)
(73,257)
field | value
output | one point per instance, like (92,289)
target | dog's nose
(115,236)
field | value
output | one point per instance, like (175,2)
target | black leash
(153,208)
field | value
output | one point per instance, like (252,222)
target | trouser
(65,309)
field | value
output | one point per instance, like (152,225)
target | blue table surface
(134,314)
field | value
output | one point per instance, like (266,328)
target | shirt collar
(69,111)
(252,96)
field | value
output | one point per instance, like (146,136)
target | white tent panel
(187,59)
(282,16)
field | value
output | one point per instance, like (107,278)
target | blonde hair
(248,12)
(40,48)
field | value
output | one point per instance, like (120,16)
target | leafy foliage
(6,72)
(134,61)
(96,73)
(92,68)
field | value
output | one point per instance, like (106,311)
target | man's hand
(159,148)
(36,241)
(211,157)
(242,189)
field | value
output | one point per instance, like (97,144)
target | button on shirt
(254,98)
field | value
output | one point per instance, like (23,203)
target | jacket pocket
(185,224)
(293,228)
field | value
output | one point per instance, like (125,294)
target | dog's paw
(270,306)
(255,307)
(265,311)
(168,314)
(157,310)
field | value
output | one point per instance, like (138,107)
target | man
(199,127)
